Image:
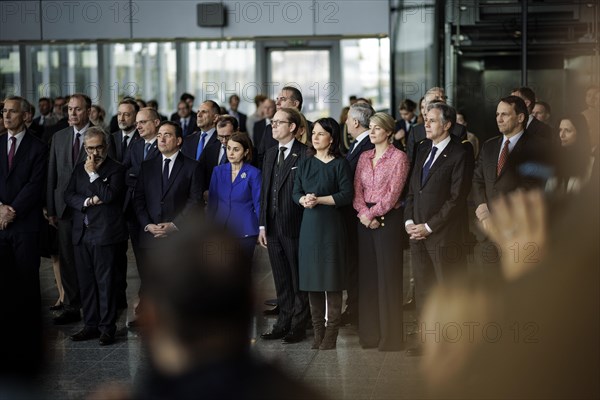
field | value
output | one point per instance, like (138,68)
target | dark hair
(331,126)
(448,112)
(545,105)
(296,95)
(45,99)
(138,100)
(152,103)
(216,109)
(84,97)
(575,158)
(519,106)
(259,98)
(132,103)
(243,139)
(226,119)
(528,94)
(186,96)
(178,130)
(408,105)
(234,96)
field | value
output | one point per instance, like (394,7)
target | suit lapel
(174,172)
(4,155)
(238,178)
(21,150)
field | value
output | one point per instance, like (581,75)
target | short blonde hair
(385,121)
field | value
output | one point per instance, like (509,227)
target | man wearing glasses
(95,195)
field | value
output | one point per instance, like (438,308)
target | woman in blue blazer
(234,193)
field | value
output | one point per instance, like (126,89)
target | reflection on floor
(349,372)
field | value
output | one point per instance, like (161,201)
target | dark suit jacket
(529,149)
(22,187)
(266,142)
(133,163)
(106,224)
(544,131)
(182,195)
(355,155)
(117,144)
(242,121)
(60,168)
(192,125)
(236,204)
(289,214)
(49,131)
(417,134)
(442,200)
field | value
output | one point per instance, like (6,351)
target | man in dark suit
(154,104)
(95,194)
(204,145)
(280,220)
(268,109)
(289,97)
(189,99)
(23,160)
(127,133)
(434,214)
(358,126)
(533,126)
(417,134)
(502,165)
(234,102)
(146,148)
(186,118)
(66,152)
(46,118)
(167,190)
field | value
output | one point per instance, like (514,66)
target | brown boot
(319,334)
(330,339)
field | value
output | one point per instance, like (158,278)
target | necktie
(503,157)
(76,148)
(200,145)
(124,149)
(165,178)
(281,158)
(11,152)
(183,126)
(147,149)
(223,159)
(427,165)
(352,146)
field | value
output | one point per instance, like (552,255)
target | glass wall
(10,75)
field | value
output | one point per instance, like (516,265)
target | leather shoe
(349,318)
(56,307)
(273,335)
(67,317)
(85,334)
(415,351)
(294,337)
(106,339)
(273,311)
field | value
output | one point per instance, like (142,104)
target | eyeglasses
(223,138)
(142,122)
(276,123)
(90,149)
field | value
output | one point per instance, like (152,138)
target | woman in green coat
(323,186)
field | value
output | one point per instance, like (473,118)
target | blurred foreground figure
(537,335)
(196,323)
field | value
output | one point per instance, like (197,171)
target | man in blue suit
(95,195)
(23,160)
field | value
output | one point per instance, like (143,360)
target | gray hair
(362,113)
(448,113)
(94,131)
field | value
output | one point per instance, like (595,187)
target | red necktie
(503,157)
(11,152)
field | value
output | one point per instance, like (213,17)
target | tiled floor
(349,372)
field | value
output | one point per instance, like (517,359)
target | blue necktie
(147,149)
(201,145)
(427,165)
(223,159)
(351,149)
(165,178)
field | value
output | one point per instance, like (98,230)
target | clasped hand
(7,215)
(161,230)
(417,232)
(310,200)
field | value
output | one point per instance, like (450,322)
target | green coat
(322,256)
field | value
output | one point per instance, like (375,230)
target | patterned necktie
(11,152)
(281,158)
(147,149)
(503,157)
(427,165)
(165,177)
(76,148)
(223,159)
(201,145)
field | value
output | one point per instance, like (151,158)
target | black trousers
(380,275)
(20,265)
(294,311)
(68,272)
(133,227)
(352,237)
(96,273)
